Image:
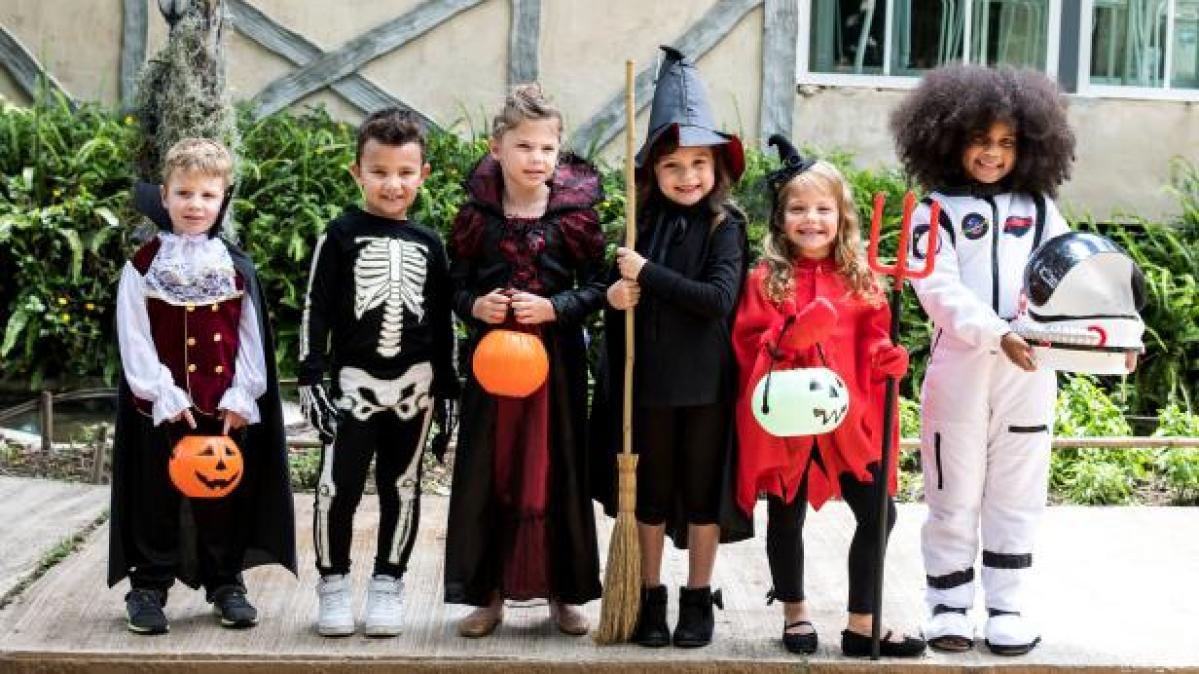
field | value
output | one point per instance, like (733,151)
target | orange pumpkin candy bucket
(510,363)
(206,466)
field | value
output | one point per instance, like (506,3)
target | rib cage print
(391,273)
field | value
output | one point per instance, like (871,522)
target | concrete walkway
(36,516)
(1117,589)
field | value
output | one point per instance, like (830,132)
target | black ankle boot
(651,629)
(696,621)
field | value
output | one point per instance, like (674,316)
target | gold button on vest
(218,369)
(191,341)
(215,307)
(191,307)
(216,336)
(191,367)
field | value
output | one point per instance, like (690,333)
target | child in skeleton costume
(377,318)
(993,145)
(682,281)
(813,303)
(527,254)
(197,358)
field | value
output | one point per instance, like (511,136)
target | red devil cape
(775,465)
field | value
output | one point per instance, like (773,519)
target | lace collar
(192,269)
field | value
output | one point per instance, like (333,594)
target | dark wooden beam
(356,89)
(134,26)
(330,67)
(779,38)
(698,39)
(524,42)
(24,68)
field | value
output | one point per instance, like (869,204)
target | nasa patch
(1017,225)
(920,242)
(975,226)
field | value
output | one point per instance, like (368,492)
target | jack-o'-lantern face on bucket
(206,466)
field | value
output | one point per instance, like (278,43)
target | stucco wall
(1123,153)
(456,73)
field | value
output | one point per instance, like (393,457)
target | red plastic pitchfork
(899,272)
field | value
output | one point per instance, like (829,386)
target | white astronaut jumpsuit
(986,424)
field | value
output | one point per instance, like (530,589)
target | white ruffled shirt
(187,269)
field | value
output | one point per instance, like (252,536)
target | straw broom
(622,577)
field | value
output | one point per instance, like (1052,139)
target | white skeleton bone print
(362,395)
(391,273)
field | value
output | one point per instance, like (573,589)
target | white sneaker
(336,617)
(383,606)
(1009,633)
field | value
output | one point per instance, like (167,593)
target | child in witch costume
(526,253)
(812,302)
(683,281)
(378,299)
(197,357)
(993,145)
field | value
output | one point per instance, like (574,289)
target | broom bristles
(622,577)
(622,583)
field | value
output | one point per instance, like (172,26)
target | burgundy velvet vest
(197,342)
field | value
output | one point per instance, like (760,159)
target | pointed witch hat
(793,164)
(681,107)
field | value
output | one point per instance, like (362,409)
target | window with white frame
(1140,48)
(891,42)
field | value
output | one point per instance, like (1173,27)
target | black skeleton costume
(377,319)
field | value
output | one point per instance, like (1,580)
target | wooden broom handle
(630,242)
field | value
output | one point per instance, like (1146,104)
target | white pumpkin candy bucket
(803,401)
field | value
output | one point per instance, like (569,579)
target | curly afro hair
(955,103)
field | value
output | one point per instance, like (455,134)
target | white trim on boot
(336,613)
(947,626)
(1009,633)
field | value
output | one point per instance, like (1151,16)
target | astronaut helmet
(802,401)
(1081,304)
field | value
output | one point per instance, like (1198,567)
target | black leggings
(395,443)
(784,539)
(681,449)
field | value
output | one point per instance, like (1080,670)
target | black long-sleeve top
(378,299)
(689,289)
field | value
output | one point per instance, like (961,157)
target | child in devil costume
(526,254)
(993,145)
(197,357)
(377,319)
(812,302)
(682,281)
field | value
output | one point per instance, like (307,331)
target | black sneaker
(234,609)
(145,611)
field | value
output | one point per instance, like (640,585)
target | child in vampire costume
(196,344)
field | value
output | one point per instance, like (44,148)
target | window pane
(847,36)
(1011,32)
(1186,45)
(1128,42)
(927,33)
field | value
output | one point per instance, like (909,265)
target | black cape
(605,430)
(265,489)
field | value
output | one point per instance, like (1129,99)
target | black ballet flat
(857,645)
(803,643)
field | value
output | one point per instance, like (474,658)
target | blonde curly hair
(780,254)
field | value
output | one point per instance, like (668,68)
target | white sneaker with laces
(383,606)
(336,618)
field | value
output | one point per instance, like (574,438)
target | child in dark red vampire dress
(682,281)
(812,302)
(526,253)
(197,357)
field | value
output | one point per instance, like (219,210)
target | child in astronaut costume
(992,145)
(379,295)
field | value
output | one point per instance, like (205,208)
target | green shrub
(1179,467)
